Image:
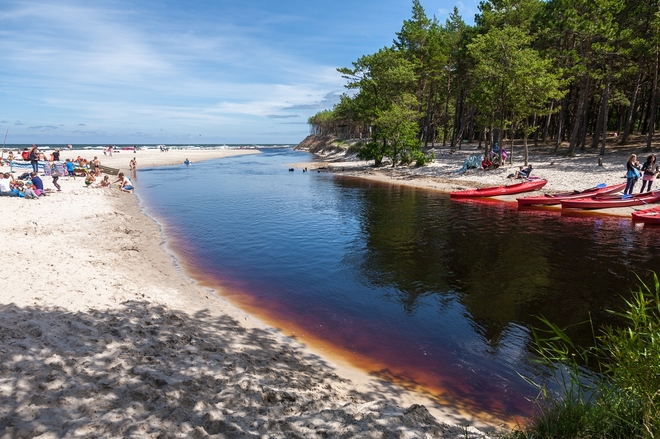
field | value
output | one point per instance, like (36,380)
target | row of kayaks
(597,197)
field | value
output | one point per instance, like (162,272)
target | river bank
(104,335)
(564,173)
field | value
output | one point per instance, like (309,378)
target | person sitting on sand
(37,184)
(486,164)
(89,179)
(124,183)
(6,185)
(105,182)
(29,191)
(523,172)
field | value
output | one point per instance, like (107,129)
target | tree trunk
(525,149)
(446,127)
(654,100)
(513,135)
(577,123)
(560,124)
(547,123)
(633,104)
(604,109)
(599,125)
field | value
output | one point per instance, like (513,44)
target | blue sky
(175,71)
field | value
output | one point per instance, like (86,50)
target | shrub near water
(622,398)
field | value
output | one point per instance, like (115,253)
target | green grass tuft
(609,390)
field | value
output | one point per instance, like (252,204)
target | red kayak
(493,191)
(546,200)
(605,201)
(648,216)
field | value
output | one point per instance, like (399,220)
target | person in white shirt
(5,185)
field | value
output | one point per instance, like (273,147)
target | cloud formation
(181,67)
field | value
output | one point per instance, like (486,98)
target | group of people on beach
(30,185)
(647,171)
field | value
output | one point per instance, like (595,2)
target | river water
(434,294)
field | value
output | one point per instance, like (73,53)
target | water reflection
(432,293)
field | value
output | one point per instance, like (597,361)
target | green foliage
(523,60)
(373,151)
(618,395)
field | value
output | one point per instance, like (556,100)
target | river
(434,294)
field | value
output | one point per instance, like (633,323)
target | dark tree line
(558,71)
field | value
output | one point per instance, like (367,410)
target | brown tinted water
(433,294)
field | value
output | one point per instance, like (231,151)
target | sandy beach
(104,335)
(564,174)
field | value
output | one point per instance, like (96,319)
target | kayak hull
(647,216)
(608,201)
(494,191)
(548,200)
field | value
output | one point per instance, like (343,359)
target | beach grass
(610,389)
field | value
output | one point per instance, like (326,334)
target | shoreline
(564,174)
(109,335)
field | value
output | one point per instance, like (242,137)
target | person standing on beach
(132,165)
(632,174)
(33,156)
(70,169)
(649,172)
(56,176)
(97,166)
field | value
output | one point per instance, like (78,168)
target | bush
(617,394)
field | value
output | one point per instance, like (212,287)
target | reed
(608,390)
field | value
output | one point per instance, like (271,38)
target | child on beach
(70,169)
(89,179)
(105,182)
(56,176)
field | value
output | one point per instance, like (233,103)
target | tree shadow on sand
(147,371)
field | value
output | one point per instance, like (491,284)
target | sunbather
(523,172)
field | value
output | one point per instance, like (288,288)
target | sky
(184,71)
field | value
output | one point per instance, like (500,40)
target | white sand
(102,335)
